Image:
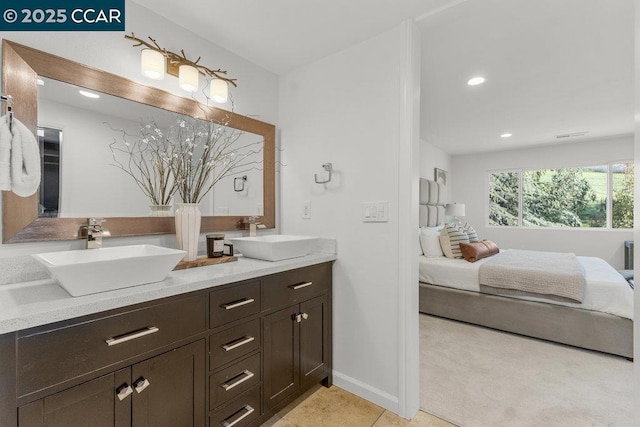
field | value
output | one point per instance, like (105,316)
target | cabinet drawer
(227,345)
(234,380)
(49,357)
(295,285)
(234,303)
(240,412)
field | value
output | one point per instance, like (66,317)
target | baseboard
(366,391)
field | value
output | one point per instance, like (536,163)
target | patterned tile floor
(333,407)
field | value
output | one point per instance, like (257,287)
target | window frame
(520,171)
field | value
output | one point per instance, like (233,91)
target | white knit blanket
(552,275)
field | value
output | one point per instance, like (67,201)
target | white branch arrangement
(188,157)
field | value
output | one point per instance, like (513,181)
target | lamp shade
(454,209)
(188,78)
(152,64)
(219,91)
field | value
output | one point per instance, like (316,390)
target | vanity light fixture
(506,135)
(475,81)
(155,61)
(89,94)
(152,64)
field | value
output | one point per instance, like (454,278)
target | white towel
(5,155)
(25,160)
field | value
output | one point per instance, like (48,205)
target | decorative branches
(174,58)
(188,157)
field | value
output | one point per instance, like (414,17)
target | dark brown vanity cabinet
(297,339)
(227,356)
(166,390)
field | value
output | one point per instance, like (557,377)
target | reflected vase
(160,210)
(188,218)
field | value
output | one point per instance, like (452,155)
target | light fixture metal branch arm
(176,58)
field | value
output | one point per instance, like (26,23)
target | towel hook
(238,188)
(329,168)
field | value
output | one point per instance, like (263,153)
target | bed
(450,288)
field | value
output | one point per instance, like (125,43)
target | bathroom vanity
(226,345)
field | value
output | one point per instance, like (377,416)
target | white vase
(188,229)
(160,210)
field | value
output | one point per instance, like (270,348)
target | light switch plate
(306,210)
(375,211)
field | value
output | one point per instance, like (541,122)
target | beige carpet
(474,376)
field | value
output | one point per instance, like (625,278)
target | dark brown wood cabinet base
(229,356)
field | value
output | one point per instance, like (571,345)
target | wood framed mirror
(23,65)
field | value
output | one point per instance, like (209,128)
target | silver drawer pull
(236,304)
(246,375)
(124,391)
(301,285)
(237,343)
(141,384)
(132,336)
(248,410)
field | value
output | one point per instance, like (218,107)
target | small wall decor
(238,183)
(440,175)
(329,168)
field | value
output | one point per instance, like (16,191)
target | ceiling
(552,67)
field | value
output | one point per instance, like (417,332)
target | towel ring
(329,168)
(239,188)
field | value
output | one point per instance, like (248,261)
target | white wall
(257,92)
(345,109)
(470,185)
(432,157)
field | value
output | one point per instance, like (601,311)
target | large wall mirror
(76,135)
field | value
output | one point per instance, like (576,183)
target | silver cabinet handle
(237,343)
(301,285)
(141,384)
(236,304)
(246,375)
(248,410)
(297,318)
(131,336)
(124,391)
(305,316)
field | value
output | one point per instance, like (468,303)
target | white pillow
(472,234)
(429,241)
(420,251)
(450,239)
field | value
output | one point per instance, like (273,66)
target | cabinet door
(93,403)
(170,389)
(281,355)
(315,340)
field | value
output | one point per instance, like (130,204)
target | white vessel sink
(89,271)
(274,247)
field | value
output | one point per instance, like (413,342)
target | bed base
(592,330)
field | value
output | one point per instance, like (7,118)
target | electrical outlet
(306,210)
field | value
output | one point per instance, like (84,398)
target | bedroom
(551,70)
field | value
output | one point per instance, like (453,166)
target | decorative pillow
(477,250)
(450,239)
(471,232)
(429,241)
(420,251)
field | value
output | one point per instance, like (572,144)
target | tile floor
(336,407)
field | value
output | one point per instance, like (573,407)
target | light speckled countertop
(27,304)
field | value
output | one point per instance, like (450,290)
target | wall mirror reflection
(92,148)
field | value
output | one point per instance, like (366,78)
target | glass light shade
(152,64)
(219,91)
(455,209)
(188,78)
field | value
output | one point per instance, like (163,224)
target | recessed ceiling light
(89,94)
(474,81)
(506,135)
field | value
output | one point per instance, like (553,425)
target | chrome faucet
(93,232)
(253,225)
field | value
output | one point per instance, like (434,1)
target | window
(567,197)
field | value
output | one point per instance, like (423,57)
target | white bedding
(606,290)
